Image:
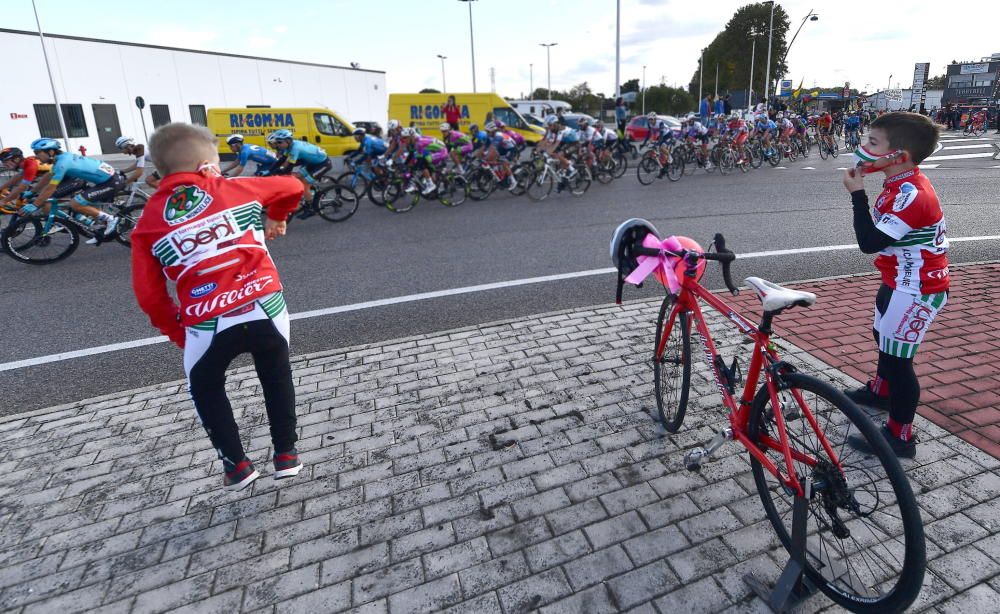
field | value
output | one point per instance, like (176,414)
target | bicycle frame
(739,413)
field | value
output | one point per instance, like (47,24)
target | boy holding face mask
(207,234)
(906,228)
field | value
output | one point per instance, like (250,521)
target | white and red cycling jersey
(908,210)
(206,234)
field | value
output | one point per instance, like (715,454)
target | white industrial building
(97,83)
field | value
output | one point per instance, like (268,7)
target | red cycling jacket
(206,234)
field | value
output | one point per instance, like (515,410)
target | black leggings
(904,389)
(269,349)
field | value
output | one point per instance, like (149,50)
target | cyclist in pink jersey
(906,227)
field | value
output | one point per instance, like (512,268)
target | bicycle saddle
(776,298)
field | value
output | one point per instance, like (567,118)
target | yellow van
(319,126)
(423,111)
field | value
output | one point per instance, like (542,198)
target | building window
(960,81)
(198,115)
(48,121)
(160,113)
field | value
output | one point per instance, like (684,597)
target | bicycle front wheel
(672,366)
(26,240)
(127,219)
(647,171)
(865,539)
(336,203)
(541,184)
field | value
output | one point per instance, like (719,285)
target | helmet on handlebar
(9,153)
(236,138)
(124,141)
(44,144)
(630,235)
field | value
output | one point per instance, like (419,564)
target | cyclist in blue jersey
(852,128)
(104,182)
(502,148)
(305,160)
(247,153)
(370,148)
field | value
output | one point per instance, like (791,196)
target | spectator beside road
(451,113)
(720,106)
(727,106)
(705,109)
(621,114)
(207,234)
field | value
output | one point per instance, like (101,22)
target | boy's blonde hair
(181,147)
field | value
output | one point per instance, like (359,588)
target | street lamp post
(531,80)
(618,41)
(444,86)
(753,54)
(472,45)
(810,16)
(643,89)
(548,62)
(52,82)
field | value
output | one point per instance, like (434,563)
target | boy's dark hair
(912,132)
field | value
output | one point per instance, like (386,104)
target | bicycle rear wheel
(672,369)
(336,203)
(127,219)
(25,240)
(675,168)
(580,182)
(452,191)
(865,538)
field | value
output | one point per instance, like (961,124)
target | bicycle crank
(694,458)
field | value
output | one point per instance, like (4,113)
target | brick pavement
(501,468)
(958,363)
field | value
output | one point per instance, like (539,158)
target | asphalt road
(87,300)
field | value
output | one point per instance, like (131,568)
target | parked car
(573,119)
(638,127)
(373,128)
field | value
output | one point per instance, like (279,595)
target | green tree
(670,100)
(937,82)
(429,90)
(632,85)
(731,51)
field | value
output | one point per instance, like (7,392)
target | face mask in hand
(868,163)
(209,169)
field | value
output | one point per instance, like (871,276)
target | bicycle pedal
(693,459)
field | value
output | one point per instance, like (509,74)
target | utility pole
(644,89)
(701,74)
(753,54)
(52,82)
(493,80)
(531,80)
(716,79)
(767,72)
(472,45)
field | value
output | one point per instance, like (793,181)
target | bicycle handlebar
(723,256)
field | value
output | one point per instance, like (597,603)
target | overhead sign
(786,86)
(974,69)
(919,91)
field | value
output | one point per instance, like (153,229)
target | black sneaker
(865,396)
(240,475)
(305,213)
(287,464)
(902,449)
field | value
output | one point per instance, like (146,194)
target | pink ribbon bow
(649,264)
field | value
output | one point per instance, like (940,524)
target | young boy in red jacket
(207,234)
(906,227)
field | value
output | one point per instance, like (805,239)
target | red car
(637,127)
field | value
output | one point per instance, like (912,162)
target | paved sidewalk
(958,363)
(501,468)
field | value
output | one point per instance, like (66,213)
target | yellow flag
(798,90)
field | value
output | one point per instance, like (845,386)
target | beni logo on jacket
(186,202)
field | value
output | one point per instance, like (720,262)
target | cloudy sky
(403,37)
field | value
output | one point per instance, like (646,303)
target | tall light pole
(444,87)
(472,45)
(618,45)
(52,82)
(770,37)
(886,95)
(531,80)
(701,75)
(643,89)
(548,61)
(810,16)
(753,54)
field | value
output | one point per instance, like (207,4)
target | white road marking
(926,166)
(959,139)
(977,146)
(808,168)
(962,156)
(781,168)
(127,345)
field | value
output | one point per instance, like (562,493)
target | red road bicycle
(863,541)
